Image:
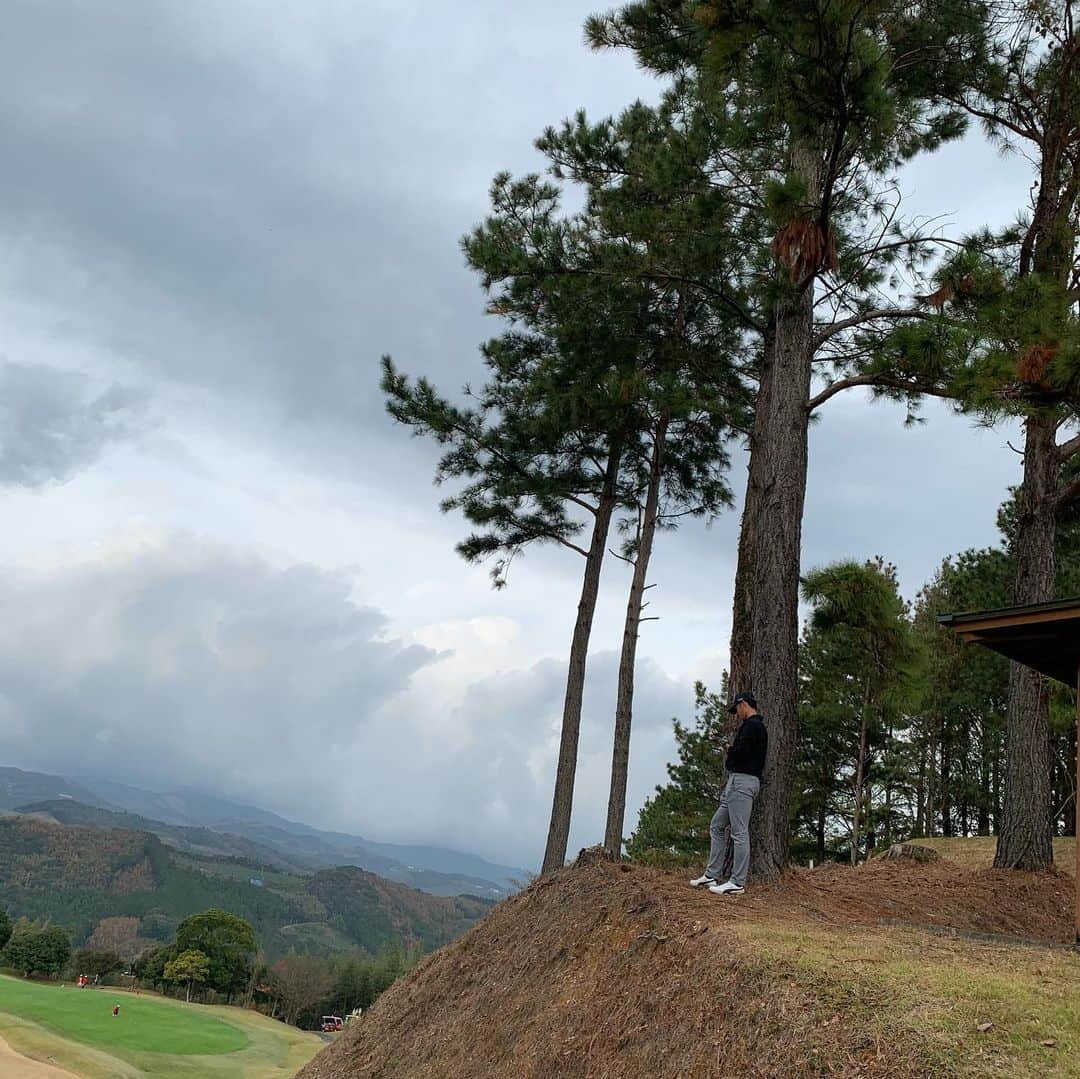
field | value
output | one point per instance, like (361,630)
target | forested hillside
(80,876)
(215,826)
(200,841)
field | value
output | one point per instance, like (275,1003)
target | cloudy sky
(221,564)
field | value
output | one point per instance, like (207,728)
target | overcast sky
(221,563)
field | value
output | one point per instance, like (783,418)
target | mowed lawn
(151,1037)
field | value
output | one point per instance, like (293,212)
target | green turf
(145,1024)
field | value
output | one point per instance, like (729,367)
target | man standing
(745,764)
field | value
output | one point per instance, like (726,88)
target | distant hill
(437,870)
(18,787)
(301,855)
(204,842)
(77,876)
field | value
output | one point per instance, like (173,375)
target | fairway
(143,1023)
(151,1037)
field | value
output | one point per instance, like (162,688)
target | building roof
(1045,636)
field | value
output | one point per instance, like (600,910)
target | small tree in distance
(188,968)
(228,942)
(860,603)
(34,950)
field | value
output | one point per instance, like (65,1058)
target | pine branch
(870,316)
(1068,449)
(1067,495)
(877,382)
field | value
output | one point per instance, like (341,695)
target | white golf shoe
(727,888)
(697,882)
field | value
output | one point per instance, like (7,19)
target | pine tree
(606,393)
(860,604)
(1022,299)
(809,106)
(690,402)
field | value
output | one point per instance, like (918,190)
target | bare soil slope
(612,970)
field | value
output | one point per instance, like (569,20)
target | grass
(152,1038)
(977,852)
(934,993)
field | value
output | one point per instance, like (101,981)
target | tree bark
(920,794)
(983,825)
(742,621)
(563,799)
(995,787)
(1024,841)
(778,478)
(778,463)
(624,709)
(945,778)
(1069,821)
(860,765)
(931,786)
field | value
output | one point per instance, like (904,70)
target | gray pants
(734,814)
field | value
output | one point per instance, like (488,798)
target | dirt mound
(1031,906)
(619,971)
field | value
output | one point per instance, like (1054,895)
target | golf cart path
(15,1066)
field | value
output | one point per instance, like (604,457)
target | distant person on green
(745,766)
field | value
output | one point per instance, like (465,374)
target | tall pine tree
(808,106)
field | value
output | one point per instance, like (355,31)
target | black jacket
(747,752)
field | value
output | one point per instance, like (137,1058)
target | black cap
(748,697)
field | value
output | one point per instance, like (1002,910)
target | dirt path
(15,1066)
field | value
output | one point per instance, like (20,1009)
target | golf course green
(151,1036)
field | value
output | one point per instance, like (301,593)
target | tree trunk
(1069,822)
(888,783)
(859,777)
(984,780)
(995,786)
(1024,841)
(563,798)
(920,794)
(188,1001)
(821,819)
(945,779)
(778,476)
(742,621)
(778,462)
(931,786)
(624,709)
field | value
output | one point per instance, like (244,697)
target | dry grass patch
(977,852)
(922,989)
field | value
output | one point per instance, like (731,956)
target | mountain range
(127,890)
(213,826)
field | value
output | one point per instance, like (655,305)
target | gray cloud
(262,198)
(181,662)
(54,423)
